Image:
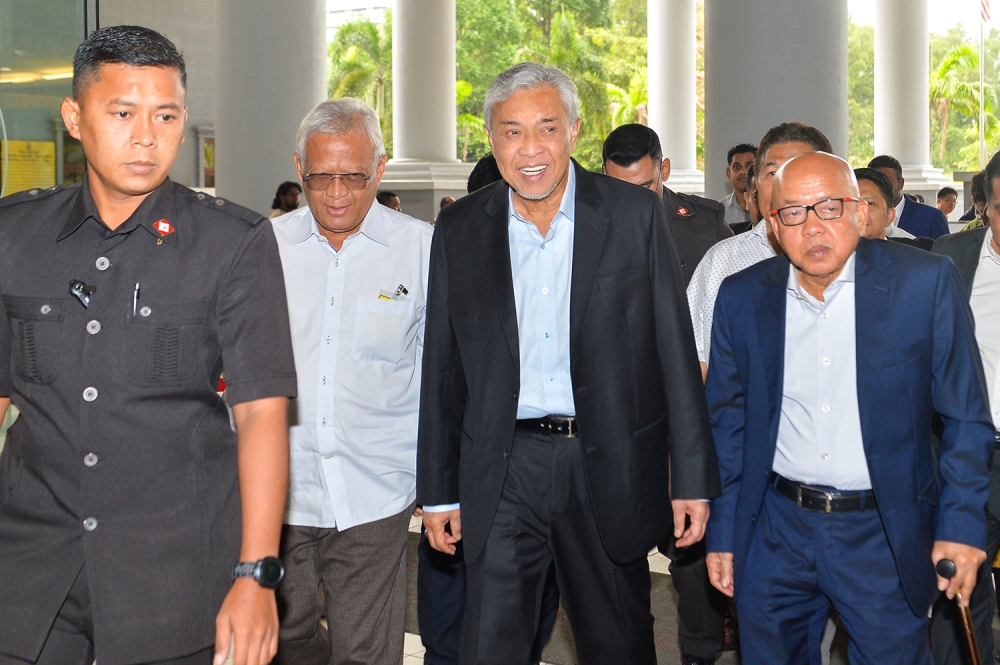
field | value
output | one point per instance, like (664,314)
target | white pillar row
(768,62)
(902,109)
(672,80)
(271,70)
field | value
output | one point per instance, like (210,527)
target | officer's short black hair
(130,45)
(887,162)
(881,180)
(945,191)
(383,197)
(791,132)
(485,172)
(627,144)
(739,150)
(978,186)
(283,189)
(992,173)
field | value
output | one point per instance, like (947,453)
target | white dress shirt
(353,428)
(722,260)
(735,213)
(893,231)
(899,207)
(985,303)
(819,431)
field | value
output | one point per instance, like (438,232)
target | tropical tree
(950,89)
(361,66)
(630,105)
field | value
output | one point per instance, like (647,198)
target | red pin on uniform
(683,212)
(163,227)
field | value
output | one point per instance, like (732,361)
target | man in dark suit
(834,495)
(918,219)
(876,191)
(561,415)
(976,254)
(632,153)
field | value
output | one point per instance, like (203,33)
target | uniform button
(34,192)
(90,394)
(90,524)
(219,202)
(200,196)
(93,327)
(515,395)
(45,309)
(90,460)
(506,454)
(102,263)
(145,311)
(684,265)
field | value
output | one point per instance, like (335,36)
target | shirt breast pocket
(381,329)
(36,326)
(164,343)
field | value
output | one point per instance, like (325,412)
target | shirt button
(545,289)
(324,422)
(90,524)
(824,316)
(546,335)
(328,339)
(324,380)
(543,245)
(90,460)
(333,301)
(90,394)
(45,309)
(552,379)
(826,408)
(826,361)
(145,311)
(336,263)
(102,263)
(93,327)
(826,456)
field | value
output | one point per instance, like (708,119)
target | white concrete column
(902,111)
(671,27)
(768,62)
(271,70)
(423,80)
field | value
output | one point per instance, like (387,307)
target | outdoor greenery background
(601,44)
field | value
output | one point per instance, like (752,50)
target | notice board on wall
(28,165)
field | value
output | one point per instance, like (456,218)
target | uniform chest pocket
(36,327)
(382,329)
(165,342)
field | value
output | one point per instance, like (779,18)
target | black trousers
(948,644)
(701,608)
(545,517)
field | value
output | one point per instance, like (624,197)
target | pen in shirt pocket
(135,298)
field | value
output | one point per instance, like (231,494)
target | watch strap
(244,569)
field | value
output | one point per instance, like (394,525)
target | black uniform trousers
(545,516)
(701,608)
(948,644)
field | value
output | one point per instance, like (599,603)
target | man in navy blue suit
(922,220)
(832,494)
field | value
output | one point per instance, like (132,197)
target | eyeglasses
(320,182)
(827,210)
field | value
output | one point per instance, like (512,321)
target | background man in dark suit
(876,191)
(831,493)
(919,219)
(559,362)
(976,254)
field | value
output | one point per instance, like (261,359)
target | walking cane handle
(946,568)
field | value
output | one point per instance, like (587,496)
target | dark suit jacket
(923,243)
(964,248)
(696,223)
(922,220)
(635,374)
(915,335)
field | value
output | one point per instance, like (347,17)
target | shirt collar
(567,207)
(760,230)
(157,206)
(899,208)
(372,226)
(987,252)
(846,276)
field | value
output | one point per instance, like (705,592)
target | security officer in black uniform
(125,478)
(632,153)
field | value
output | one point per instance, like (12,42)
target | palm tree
(949,91)
(630,105)
(361,65)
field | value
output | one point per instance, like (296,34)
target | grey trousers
(357,578)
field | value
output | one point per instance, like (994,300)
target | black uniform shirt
(696,223)
(124,458)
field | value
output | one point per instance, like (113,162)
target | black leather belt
(561,426)
(823,501)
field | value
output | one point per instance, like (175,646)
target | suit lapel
(769,310)
(590,229)
(496,250)
(967,257)
(874,290)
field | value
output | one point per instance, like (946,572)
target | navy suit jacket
(916,354)
(922,220)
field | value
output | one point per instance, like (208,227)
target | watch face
(271,572)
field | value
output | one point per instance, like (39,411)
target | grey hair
(528,75)
(340,116)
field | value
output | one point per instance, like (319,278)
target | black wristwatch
(268,572)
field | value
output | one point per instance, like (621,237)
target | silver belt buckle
(829,501)
(799,498)
(568,434)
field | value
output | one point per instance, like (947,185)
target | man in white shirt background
(739,158)
(355,277)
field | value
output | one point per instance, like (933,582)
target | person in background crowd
(389,200)
(139,517)
(780,144)
(917,219)
(833,495)
(752,207)
(445,202)
(286,199)
(975,215)
(947,199)
(876,192)
(739,160)
(356,282)
(632,153)
(484,173)
(976,254)
(919,198)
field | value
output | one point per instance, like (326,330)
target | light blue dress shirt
(819,433)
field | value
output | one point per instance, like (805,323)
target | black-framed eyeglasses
(320,182)
(826,210)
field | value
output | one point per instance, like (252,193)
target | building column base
(421,185)
(926,181)
(687,181)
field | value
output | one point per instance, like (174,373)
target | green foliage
(860,94)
